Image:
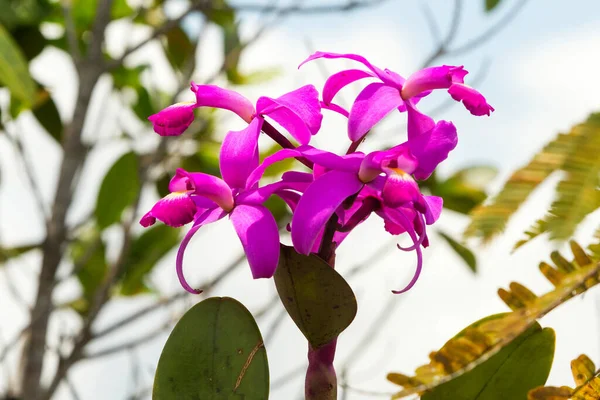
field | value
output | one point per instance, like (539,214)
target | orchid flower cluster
(345,189)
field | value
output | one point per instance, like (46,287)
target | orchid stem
(354,145)
(321,381)
(283,141)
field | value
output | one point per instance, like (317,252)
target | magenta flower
(378,99)
(204,199)
(382,183)
(299,111)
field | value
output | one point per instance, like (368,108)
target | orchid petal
(175,209)
(471,98)
(304,102)
(434,208)
(432,78)
(336,108)
(173,120)
(260,195)
(258,232)
(239,154)
(318,203)
(400,188)
(285,117)
(212,188)
(217,97)
(338,81)
(281,155)
(433,147)
(206,218)
(384,75)
(400,219)
(418,123)
(372,104)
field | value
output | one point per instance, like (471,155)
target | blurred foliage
(587,381)
(14,73)
(6,253)
(490,5)
(234,366)
(462,192)
(575,154)
(316,296)
(479,343)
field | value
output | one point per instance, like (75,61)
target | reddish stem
(354,145)
(321,381)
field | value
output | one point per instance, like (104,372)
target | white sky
(542,79)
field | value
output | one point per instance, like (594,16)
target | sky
(541,79)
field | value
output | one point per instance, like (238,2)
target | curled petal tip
(173,120)
(473,101)
(147,220)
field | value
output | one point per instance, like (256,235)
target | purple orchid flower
(378,99)
(299,111)
(205,199)
(381,181)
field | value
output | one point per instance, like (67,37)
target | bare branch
(299,9)
(138,341)
(71,33)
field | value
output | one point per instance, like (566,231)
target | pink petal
(210,187)
(372,104)
(432,78)
(338,81)
(433,147)
(434,208)
(400,219)
(217,97)
(318,203)
(399,189)
(209,216)
(285,117)
(267,162)
(175,209)
(258,232)
(304,102)
(239,154)
(418,123)
(471,98)
(385,75)
(336,108)
(173,120)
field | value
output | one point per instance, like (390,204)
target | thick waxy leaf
(489,337)
(119,189)
(145,252)
(509,374)
(318,299)
(14,72)
(586,377)
(214,352)
(461,250)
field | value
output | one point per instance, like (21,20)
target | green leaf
(522,365)
(145,252)
(214,352)
(461,250)
(30,40)
(179,49)
(464,190)
(491,4)
(88,253)
(143,108)
(119,189)
(18,13)
(124,76)
(316,297)
(46,113)
(84,12)
(14,72)
(7,253)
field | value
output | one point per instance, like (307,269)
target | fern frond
(576,154)
(479,342)
(586,377)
